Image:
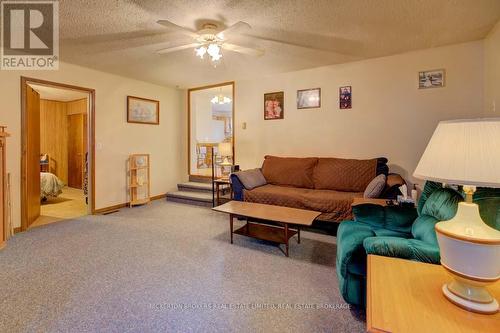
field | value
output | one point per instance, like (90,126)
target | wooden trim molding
(229,83)
(24,82)
(125,204)
(17,230)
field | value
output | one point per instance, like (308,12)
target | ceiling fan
(210,40)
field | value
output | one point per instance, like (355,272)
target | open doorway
(57,152)
(211,126)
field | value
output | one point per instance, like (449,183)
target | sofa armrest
(410,249)
(393,182)
(237,187)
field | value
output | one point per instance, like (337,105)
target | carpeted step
(195,187)
(190,197)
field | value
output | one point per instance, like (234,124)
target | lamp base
(468,304)
(470,252)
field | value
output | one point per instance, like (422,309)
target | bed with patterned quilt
(50,185)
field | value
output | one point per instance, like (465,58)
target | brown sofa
(327,185)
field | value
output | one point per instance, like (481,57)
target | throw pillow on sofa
(251,178)
(376,186)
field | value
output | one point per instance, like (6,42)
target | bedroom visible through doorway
(57,130)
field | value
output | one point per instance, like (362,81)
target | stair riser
(189,201)
(193,189)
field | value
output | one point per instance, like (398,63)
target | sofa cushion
(375,187)
(348,175)
(290,171)
(333,203)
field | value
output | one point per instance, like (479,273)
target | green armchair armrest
(350,236)
(351,260)
(411,249)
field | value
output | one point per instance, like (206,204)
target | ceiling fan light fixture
(213,50)
(200,51)
(220,99)
(216,57)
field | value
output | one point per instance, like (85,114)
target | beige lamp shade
(463,152)
(225,149)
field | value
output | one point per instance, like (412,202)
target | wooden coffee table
(284,216)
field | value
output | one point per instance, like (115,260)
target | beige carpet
(168,267)
(68,205)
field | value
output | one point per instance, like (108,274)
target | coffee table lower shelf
(276,234)
(267,222)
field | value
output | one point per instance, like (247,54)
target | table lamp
(466,152)
(225,150)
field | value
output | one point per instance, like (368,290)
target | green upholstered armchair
(406,233)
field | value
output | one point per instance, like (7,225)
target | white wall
(117,137)
(492,73)
(390,116)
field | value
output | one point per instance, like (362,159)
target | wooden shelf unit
(139,181)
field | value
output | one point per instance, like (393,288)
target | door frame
(228,83)
(24,136)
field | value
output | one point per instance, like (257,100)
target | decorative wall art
(274,105)
(431,79)
(345,97)
(309,98)
(143,110)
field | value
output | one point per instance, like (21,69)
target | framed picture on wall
(274,105)
(143,110)
(431,79)
(345,97)
(309,98)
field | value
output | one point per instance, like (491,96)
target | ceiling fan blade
(238,26)
(243,49)
(298,45)
(173,26)
(177,48)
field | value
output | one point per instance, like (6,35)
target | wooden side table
(405,296)
(221,183)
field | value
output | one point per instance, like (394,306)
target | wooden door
(75,150)
(32,155)
(2,194)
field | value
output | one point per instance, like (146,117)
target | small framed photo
(143,110)
(309,98)
(345,97)
(274,105)
(431,79)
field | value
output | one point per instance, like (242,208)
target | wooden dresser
(3,188)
